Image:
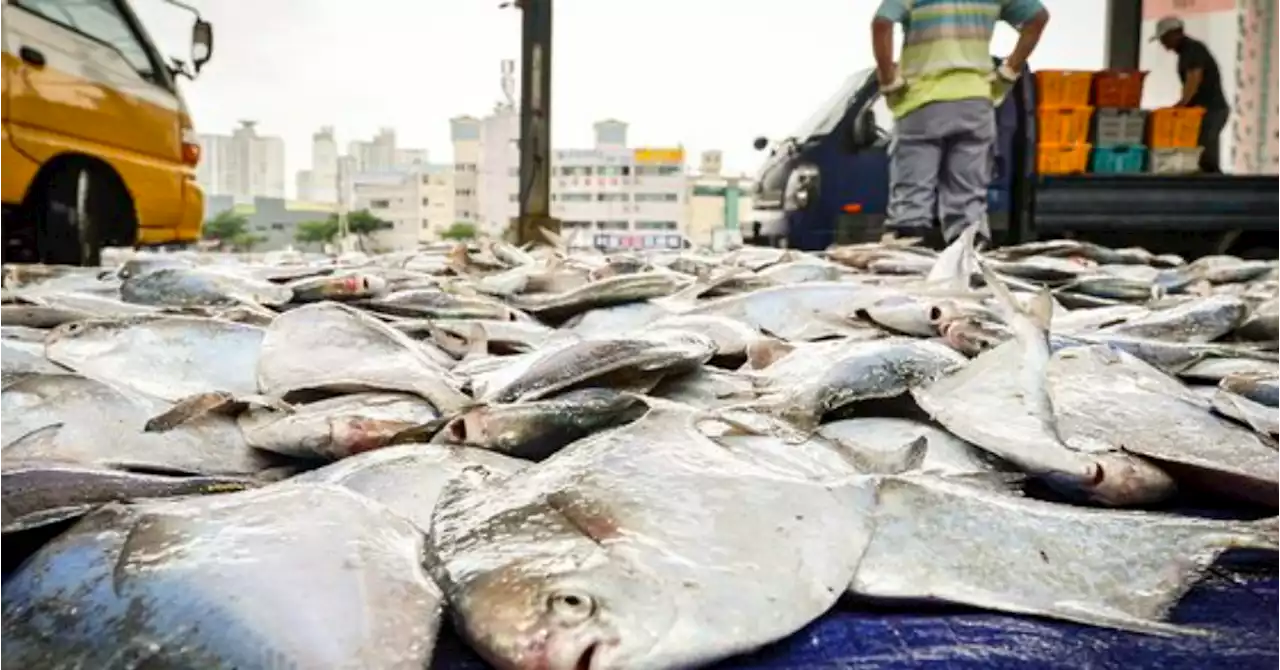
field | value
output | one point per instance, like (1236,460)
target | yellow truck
(98,145)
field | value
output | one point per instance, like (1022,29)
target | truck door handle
(32,56)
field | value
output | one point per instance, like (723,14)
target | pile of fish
(635,461)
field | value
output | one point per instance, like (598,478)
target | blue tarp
(1242,617)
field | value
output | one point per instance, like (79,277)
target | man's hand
(1003,74)
(891,81)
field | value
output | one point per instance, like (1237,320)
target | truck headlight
(801,188)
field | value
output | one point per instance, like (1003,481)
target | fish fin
(1041,309)
(43,432)
(1259,534)
(422,433)
(1039,312)
(1003,482)
(477,343)
(1109,618)
(191,408)
(868,462)
(552,238)
(763,352)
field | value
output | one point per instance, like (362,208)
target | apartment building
(718,204)
(418,202)
(243,165)
(465,133)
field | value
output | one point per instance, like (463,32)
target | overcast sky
(710,74)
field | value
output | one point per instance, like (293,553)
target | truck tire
(68,213)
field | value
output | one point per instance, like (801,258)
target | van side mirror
(201,43)
(760,143)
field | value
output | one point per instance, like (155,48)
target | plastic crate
(1121,89)
(1063,88)
(1062,158)
(1118,159)
(1119,127)
(1176,160)
(1176,127)
(1064,125)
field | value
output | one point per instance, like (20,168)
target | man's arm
(1189,87)
(1196,58)
(889,13)
(1030,18)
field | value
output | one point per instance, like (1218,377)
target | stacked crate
(1064,113)
(1120,125)
(1175,137)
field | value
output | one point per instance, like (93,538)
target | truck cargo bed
(1151,203)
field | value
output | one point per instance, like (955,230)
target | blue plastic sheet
(1241,616)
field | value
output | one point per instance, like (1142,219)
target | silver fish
(335,428)
(185,287)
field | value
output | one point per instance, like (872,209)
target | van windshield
(824,119)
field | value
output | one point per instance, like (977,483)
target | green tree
(246,241)
(317,232)
(460,230)
(225,227)
(362,223)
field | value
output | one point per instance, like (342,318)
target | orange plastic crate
(1063,88)
(1119,89)
(1062,158)
(1175,127)
(1064,125)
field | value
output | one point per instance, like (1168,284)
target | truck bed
(1155,203)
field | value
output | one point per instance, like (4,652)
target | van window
(100,20)
(884,118)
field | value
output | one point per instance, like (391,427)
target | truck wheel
(67,216)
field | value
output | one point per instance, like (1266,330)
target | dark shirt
(1194,55)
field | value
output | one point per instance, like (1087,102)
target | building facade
(465,134)
(243,165)
(274,220)
(418,202)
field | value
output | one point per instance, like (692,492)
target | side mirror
(760,143)
(201,43)
(864,130)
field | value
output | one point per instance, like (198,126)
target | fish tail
(1260,534)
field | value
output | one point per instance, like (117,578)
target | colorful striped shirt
(946,51)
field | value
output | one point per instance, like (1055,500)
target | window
(513,172)
(379,204)
(514,197)
(426,201)
(657,197)
(277,226)
(611,225)
(612,197)
(575,197)
(656,225)
(102,21)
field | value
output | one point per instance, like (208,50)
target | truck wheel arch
(109,204)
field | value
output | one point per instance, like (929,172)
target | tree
(246,241)
(460,230)
(362,223)
(317,232)
(225,227)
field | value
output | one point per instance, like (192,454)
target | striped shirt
(946,51)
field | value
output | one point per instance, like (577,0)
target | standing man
(1201,87)
(942,97)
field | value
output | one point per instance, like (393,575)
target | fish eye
(570,607)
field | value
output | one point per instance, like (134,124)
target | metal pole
(340,186)
(535,124)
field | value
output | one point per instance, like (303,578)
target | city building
(274,220)
(1242,37)
(465,133)
(243,165)
(377,155)
(418,202)
(320,183)
(718,204)
(608,195)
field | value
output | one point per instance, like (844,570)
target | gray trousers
(1211,139)
(940,162)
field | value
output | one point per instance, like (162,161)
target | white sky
(711,74)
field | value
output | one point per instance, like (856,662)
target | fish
(168,357)
(583,561)
(42,492)
(535,430)
(327,346)
(67,417)
(335,428)
(344,286)
(1203,320)
(1117,569)
(1000,401)
(732,338)
(794,312)
(40,316)
(227,581)
(435,303)
(409,478)
(1262,324)
(944,453)
(611,291)
(186,287)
